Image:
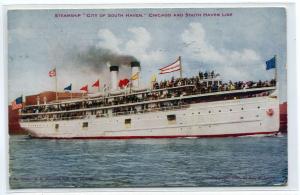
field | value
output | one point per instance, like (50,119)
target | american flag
(17,103)
(175,66)
(52,73)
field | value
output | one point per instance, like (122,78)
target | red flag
(84,88)
(123,83)
(96,84)
(52,73)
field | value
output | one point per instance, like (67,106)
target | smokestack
(135,73)
(114,74)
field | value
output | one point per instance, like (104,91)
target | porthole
(219,110)
(242,108)
(209,111)
(230,110)
(241,117)
(198,112)
(258,107)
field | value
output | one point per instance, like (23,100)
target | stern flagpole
(275,56)
(276,72)
(56,95)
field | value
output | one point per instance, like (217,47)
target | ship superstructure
(200,106)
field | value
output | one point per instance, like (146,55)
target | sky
(235,43)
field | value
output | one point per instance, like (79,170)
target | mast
(99,85)
(71,91)
(179,58)
(275,57)
(276,74)
(56,95)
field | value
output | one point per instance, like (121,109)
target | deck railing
(165,108)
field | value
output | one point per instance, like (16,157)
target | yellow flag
(153,78)
(135,76)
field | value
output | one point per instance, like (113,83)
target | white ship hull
(238,117)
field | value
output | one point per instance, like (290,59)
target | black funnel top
(114,68)
(135,64)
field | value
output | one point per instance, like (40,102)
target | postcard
(147,97)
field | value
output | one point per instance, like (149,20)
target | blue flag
(19,100)
(271,63)
(68,88)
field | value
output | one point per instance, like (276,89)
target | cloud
(108,40)
(138,45)
(140,41)
(233,65)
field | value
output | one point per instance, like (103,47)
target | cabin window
(242,108)
(128,121)
(85,124)
(56,126)
(230,110)
(258,107)
(171,117)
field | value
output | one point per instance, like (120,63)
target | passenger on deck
(201,75)
(212,74)
(198,86)
(205,75)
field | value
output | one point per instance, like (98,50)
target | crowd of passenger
(206,82)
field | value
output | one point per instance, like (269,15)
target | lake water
(244,161)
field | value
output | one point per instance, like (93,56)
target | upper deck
(186,91)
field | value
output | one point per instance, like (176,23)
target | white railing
(179,107)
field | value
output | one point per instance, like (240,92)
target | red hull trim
(164,136)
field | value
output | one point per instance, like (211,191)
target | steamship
(201,106)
